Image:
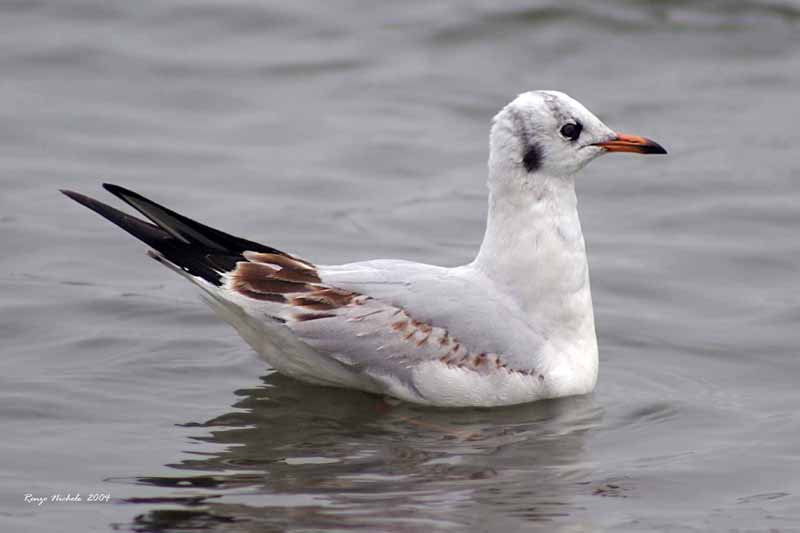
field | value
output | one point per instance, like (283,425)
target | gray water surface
(354,130)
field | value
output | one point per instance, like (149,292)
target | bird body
(513,326)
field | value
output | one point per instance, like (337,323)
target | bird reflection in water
(312,457)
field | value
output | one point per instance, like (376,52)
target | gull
(514,325)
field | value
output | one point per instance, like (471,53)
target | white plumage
(514,325)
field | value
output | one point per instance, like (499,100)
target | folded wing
(376,336)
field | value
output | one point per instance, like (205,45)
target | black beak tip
(654,148)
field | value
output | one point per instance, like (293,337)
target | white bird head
(547,133)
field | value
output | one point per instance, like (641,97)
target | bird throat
(533,246)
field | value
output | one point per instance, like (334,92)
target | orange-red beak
(632,143)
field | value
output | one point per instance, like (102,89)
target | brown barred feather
(336,297)
(304,317)
(284,261)
(312,303)
(264,297)
(257,277)
(269,277)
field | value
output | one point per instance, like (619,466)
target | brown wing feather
(296,284)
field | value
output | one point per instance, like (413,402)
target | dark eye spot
(571,131)
(532,158)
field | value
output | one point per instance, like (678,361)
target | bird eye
(571,131)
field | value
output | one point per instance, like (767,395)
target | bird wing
(367,333)
(380,319)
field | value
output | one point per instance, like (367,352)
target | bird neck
(534,250)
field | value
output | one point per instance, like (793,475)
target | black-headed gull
(514,325)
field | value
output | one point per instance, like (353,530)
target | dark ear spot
(533,158)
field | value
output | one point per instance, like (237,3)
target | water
(357,130)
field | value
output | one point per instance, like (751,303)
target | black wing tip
(74,195)
(117,189)
(122,193)
(194,247)
(107,186)
(82,199)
